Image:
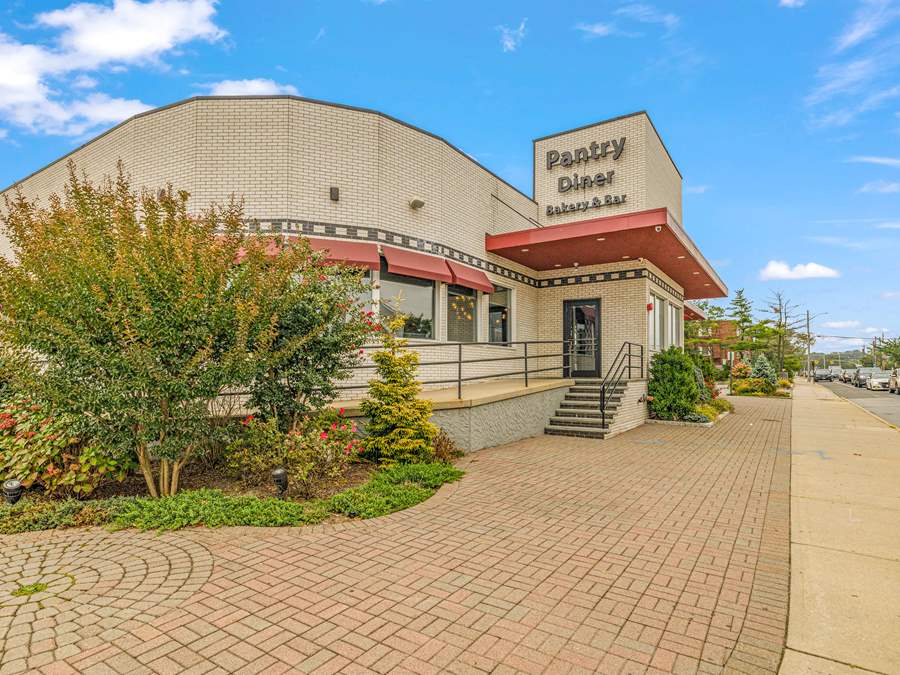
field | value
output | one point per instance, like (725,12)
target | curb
(865,410)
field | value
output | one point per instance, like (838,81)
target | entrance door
(581,330)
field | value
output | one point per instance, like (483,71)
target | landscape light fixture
(416,204)
(12,491)
(280,478)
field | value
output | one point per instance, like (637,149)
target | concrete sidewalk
(845,538)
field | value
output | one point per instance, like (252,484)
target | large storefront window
(499,310)
(461,313)
(411,297)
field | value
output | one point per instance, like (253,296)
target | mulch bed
(203,476)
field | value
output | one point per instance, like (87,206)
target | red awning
(358,253)
(419,265)
(470,277)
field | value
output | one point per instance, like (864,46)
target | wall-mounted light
(416,204)
(334,194)
(658,228)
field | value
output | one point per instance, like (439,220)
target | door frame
(566,330)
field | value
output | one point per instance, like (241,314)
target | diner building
(584,279)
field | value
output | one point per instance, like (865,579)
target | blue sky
(782,115)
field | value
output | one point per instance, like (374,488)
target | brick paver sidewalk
(662,550)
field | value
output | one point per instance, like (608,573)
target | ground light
(280,478)
(12,491)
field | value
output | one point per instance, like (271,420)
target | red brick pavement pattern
(662,550)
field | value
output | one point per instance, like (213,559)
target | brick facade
(282,154)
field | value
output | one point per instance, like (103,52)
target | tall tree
(141,313)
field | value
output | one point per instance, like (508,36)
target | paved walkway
(845,538)
(662,550)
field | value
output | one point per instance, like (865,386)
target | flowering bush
(318,450)
(40,449)
(740,370)
(753,386)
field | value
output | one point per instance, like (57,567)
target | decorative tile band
(290,226)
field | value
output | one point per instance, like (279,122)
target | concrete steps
(580,414)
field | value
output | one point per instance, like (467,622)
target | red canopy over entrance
(653,235)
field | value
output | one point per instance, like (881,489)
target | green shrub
(393,489)
(213,509)
(785,383)
(722,405)
(317,451)
(702,388)
(390,489)
(399,430)
(695,417)
(143,310)
(39,448)
(753,386)
(762,369)
(673,387)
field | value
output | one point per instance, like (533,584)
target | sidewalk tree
(142,313)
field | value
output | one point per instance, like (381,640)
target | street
(881,403)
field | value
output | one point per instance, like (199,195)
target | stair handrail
(621,363)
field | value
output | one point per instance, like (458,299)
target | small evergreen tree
(673,386)
(399,430)
(763,370)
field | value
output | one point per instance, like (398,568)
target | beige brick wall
(282,154)
(644,171)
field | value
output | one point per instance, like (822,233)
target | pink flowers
(323,435)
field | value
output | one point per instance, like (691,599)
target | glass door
(581,331)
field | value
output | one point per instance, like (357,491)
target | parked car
(894,385)
(835,372)
(878,381)
(822,375)
(847,375)
(861,375)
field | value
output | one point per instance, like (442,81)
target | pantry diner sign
(589,165)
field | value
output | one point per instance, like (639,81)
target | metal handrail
(566,351)
(622,363)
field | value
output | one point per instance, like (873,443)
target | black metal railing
(531,356)
(622,364)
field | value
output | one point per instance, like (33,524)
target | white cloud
(37,80)
(843,242)
(129,31)
(890,225)
(598,29)
(697,189)
(870,18)
(319,35)
(890,295)
(840,324)
(780,270)
(254,87)
(84,82)
(880,161)
(880,187)
(3,134)
(649,14)
(792,4)
(511,38)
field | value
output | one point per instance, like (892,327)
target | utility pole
(808,347)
